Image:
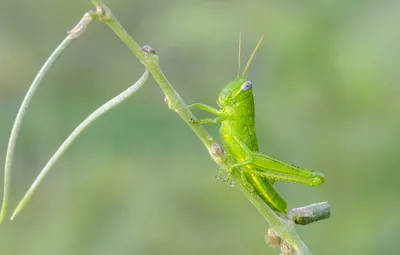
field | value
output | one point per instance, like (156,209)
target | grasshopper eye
(246,86)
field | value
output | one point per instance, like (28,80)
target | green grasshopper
(238,135)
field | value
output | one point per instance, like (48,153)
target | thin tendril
(72,137)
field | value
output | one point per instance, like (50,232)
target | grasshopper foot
(227,178)
(219,176)
(193,120)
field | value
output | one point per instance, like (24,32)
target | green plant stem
(73,34)
(285,229)
(175,102)
(112,103)
(150,61)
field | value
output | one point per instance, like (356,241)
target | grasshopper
(238,135)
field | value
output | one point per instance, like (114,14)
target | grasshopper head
(237,90)
(240,88)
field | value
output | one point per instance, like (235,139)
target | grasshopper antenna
(240,52)
(252,55)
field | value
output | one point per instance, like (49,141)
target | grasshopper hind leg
(246,182)
(263,187)
(276,169)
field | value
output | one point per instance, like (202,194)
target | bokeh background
(326,83)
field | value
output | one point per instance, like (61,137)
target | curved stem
(72,137)
(73,34)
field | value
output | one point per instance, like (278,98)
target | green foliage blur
(326,83)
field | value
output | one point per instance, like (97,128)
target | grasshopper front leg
(206,108)
(209,109)
(278,170)
(206,121)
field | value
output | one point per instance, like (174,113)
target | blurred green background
(326,83)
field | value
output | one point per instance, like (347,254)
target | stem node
(272,238)
(217,152)
(104,15)
(149,49)
(80,28)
